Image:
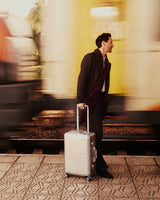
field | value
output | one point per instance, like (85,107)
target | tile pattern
(41,177)
(146,177)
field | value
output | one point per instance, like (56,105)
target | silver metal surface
(87,118)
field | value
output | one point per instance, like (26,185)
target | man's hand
(81,106)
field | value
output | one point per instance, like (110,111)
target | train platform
(42,177)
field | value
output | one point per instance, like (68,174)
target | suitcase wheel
(67,175)
(88,178)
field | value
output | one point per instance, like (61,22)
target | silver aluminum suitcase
(80,151)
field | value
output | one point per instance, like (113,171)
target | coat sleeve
(82,87)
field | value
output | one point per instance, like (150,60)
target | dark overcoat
(90,70)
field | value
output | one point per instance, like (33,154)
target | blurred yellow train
(69,29)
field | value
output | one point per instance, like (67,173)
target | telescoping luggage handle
(87,118)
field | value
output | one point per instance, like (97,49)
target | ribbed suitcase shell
(80,153)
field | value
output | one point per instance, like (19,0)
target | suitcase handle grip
(87,118)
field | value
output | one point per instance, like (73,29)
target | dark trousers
(95,123)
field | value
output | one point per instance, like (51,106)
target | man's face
(108,45)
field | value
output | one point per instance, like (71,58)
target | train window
(109,12)
(106,19)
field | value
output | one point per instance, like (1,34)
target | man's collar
(99,52)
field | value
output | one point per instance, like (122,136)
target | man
(93,86)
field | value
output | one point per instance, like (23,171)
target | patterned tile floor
(41,177)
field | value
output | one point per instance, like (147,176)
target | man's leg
(96,126)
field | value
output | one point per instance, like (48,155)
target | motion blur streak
(69,31)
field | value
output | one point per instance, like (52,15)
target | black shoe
(104,174)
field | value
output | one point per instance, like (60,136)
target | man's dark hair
(102,37)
